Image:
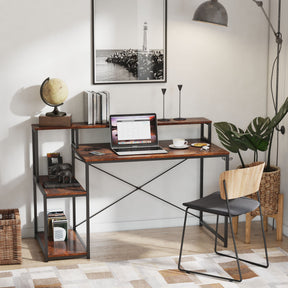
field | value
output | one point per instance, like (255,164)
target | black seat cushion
(213,203)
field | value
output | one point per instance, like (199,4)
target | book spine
(88,115)
(107,106)
(94,105)
(99,108)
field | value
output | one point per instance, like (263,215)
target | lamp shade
(213,12)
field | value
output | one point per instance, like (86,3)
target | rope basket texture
(269,192)
(10,237)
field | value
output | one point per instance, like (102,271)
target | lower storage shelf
(72,248)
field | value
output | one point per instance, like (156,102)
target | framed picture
(129,41)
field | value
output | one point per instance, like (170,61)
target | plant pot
(269,192)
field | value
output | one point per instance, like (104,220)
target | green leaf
(227,134)
(279,116)
(258,133)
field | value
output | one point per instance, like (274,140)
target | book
(105,106)
(88,106)
(96,107)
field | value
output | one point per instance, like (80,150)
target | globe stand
(55,112)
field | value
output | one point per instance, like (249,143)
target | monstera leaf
(258,134)
(279,116)
(229,135)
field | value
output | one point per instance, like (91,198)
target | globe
(53,93)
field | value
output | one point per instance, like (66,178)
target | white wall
(224,77)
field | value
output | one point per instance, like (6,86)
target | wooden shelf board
(64,249)
(60,192)
(84,125)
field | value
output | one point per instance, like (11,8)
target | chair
(230,202)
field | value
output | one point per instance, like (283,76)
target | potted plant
(257,137)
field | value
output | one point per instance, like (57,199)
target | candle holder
(163,92)
(180,118)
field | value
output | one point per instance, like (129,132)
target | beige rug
(155,273)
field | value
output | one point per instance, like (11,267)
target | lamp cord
(272,73)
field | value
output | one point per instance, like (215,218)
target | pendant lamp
(212,12)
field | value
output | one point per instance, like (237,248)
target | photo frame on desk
(129,41)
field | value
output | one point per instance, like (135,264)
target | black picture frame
(129,41)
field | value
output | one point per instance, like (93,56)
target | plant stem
(241,159)
(268,167)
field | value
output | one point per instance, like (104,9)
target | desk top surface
(109,156)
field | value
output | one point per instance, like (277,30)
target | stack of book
(96,107)
(57,225)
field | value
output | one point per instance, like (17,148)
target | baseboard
(28,232)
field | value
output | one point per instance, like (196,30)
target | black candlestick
(163,92)
(180,118)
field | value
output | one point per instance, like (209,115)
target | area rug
(154,273)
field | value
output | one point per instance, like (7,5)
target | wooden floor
(136,244)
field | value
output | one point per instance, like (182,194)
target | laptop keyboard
(144,149)
(140,150)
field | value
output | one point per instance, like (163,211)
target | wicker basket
(10,237)
(269,192)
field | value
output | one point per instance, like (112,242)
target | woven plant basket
(269,192)
(10,237)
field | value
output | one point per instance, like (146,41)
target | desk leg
(226,218)
(87,211)
(201,186)
(74,212)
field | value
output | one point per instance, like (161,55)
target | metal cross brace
(136,188)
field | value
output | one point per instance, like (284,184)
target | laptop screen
(130,130)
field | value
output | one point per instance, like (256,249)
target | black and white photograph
(129,41)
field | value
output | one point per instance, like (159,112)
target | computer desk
(82,153)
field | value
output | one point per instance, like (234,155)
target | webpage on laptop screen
(133,132)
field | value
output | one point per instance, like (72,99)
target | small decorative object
(53,159)
(59,174)
(53,93)
(57,225)
(180,118)
(163,92)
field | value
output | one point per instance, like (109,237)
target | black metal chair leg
(263,233)
(196,272)
(216,235)
(182,240)
(235,250)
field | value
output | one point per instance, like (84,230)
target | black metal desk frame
(84,250)
(75,146)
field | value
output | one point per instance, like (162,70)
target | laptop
(133,134)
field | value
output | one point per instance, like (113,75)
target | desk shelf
(60,192)
(72,248)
